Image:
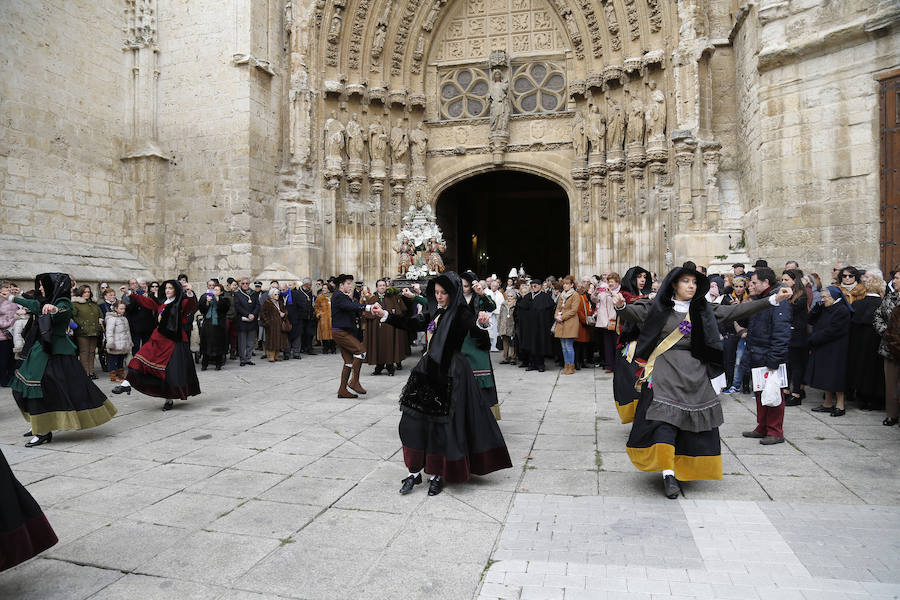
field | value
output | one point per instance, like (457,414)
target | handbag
(286,325)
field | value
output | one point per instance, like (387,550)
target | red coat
(153,357)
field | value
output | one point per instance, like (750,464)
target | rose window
(538,87)
(464,93)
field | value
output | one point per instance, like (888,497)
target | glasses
(846,275)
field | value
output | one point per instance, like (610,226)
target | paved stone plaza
(267,486)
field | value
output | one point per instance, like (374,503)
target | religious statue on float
(433,250)
(406,255)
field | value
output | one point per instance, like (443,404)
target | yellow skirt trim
(687,468)
(71,419)
(626,411)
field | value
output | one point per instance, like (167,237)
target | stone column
(685,147)
(711,155)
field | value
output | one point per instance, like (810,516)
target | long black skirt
(658,445)
(624,394)
(70,399)
(24,530)
(470,443)
(181,377)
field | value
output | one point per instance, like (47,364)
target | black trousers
(7,362)
(307,332)
(798,358)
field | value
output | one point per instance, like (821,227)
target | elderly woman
(506,325)
(214,307)
(273,317)
(888,327)
(827,369)
(865,371)
(89,318)
(567,325)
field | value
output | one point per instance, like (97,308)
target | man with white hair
(872,273)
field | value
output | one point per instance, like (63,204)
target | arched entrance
(494,221)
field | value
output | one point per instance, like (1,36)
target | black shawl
(706,342)
(170,321)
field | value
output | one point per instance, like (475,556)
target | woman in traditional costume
(163,367)
(24,530)
(446,427)
(51,388)
(476,351)
(679,350)
(632,289)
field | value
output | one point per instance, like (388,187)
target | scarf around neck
(211,313)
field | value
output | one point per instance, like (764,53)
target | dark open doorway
(503,219)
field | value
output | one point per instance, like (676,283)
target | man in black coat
(246,305)
(768,342)
(306,302)
(292,307)
(345,312)
(535,312)
(141,321)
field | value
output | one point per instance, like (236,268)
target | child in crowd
(118,341)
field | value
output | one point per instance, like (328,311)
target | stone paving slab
(267,486)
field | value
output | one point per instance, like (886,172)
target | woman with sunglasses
(851,287)
(153,290)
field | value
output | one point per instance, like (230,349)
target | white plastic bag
(771,393)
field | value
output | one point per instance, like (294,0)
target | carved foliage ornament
(402,36)
(612,24)
(140,24)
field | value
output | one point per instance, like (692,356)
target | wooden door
(890,171)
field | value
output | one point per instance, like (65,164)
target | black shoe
(93,376)
(822,408)
(120,388)
(168,405)
(435,486)
(670,487)
(296,357)
(196,358)
(541,369)
(888,422)
(29,434)
(838,412)
(218,367)
(530,368)
(377,371)
(243,363)
(793,401)
(251,363)
(803,394)
(390,370)
(399,366)
(203,367)
(410,482)
(40,439)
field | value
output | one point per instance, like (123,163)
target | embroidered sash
(645,373)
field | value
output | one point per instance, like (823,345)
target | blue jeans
(115,361)
(740,368)
(568,350)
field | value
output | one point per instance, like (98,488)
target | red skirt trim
(457,470)
(154,356)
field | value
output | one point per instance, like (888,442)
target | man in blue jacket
(345,313)
(768,341)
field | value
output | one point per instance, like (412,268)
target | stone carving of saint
(656,113)
(596,129)
(499,115)
(579,136)
(399,143)
(616,126)
(334,138)
(418,139)
(433,249)
(636,122)
(377,141)
(356,145)
(378,40)
(431,19)
(334,32)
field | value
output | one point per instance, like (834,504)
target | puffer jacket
(18,332)
(87,315)
(882,319)
(769,334)
(118,334)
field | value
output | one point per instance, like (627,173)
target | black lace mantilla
(421,397)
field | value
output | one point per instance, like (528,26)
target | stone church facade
(221,137)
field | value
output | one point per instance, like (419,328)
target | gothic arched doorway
(503,219)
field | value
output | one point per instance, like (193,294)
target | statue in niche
(378,40)
(432,17)
(377,141)
(656,113)
(418,140)
(596,129)
(636,122)
(499,95)
(399,143)
(616,129)
(406,255)
(433,260)
(356,145)
(334,32)
(579,136)
(334,139)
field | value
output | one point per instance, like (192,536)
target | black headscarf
(56,286)
(629,281)
(170,323)
(706,343)
(452,283)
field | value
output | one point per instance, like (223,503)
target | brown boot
(353,384)
(118,376)
(343,392)
(112,375)
(569,370)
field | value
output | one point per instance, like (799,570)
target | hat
(760,263)
(736,265)
(358,282)
(468,276)
(536,281)
(259,283)
(340,279)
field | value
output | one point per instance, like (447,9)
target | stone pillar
(685,147)
(711,155)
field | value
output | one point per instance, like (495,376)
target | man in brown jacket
(385,345)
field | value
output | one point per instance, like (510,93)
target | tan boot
(119,375)
(353,384)
(112,375)
(343,392)
(569,370)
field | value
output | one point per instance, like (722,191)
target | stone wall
(61,129)
(809,107)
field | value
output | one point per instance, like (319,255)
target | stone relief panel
(517,26)
(538,87)
(463,93)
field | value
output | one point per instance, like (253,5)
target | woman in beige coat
(566,326)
